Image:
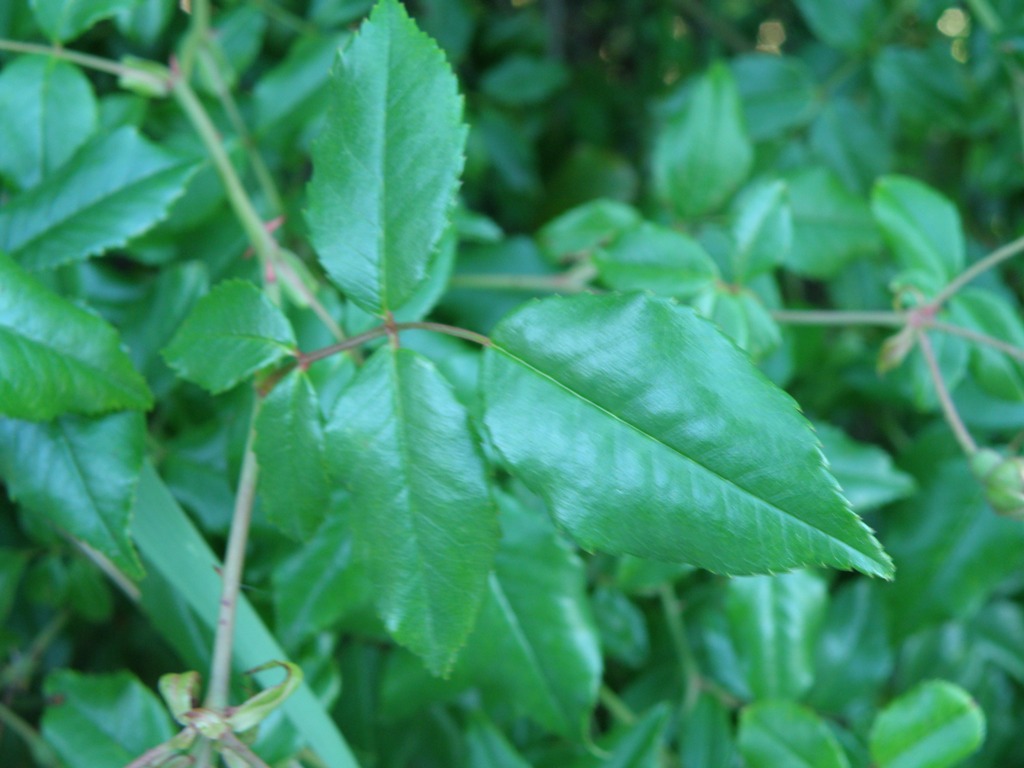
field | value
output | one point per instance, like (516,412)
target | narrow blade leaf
(117,186)
(387,165)
(650,434)
(81,475)
(57,358)
(230,334)
(423,516)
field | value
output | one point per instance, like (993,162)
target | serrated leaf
(102,721)
(777,733)
(321,582)
(703,154)
(423,515)
(80,474)
(921,227)
(49,110)
(831,225)
(63,20)
(762,230)
(289,447)
(56,357)
(774,622)
(231,333)
(387,165)
(537,620)
(935,725)
(865,472)
(624,413)
(115,187)
(740,315)
(654,258)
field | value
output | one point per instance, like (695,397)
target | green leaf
(777,733)
(774,623)
(12,565)
(847,137)
(703,154)
(999,632)
(777,93)
(231,333)
(80,474)
(423,515)
(762,230)
(387,165)
(486,746)
(289,447)
(117,186)
(831,225)
(521,80)
(537,620)
(321,582)
(585,228)
(706,734)
(63,20)
(49,111)
(637,745)
(926,87)
(622,626)
(988,313)
(935,725)
(865,472)
(850,26)
(102,721)
(921,227)
(740,314)
(649,257)
(56,357)
(649,434)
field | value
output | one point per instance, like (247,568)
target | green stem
(963,437)
(673,613)
(231,575)
(995,258)
(616,706)
(978,338)
(85,60)
(308,358)
(199,30)
(838,317)
(42,753)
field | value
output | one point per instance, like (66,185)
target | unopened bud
(1003,481)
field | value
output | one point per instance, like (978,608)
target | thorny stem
(308,358)
(963,437)
(673,612)
(231,575)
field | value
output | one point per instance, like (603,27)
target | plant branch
(43,754)
(673,612)
(998,256)
(617,707)
(231,574)
(308,358)
(88,61)
(839,317)
(574,280)
(963,437)
(979,338)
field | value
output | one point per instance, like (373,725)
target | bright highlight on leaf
(650,434)
(57,358)
(231,333)
(387,165)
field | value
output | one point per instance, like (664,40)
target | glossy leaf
(847,137)
(926,86)
(423,516)
(537,620)
(115,187)
(55,357)
(935,725)
(776,733)
(289,447)
(63,20)
(80,474)
(102,721)
(621,412)
(585,228)
(638,745)
(388,162)
(231,333)
(777,93)
(831,225)
(49,110)
(703,154)
(652,258)
(774,621)
(762,230)
(706,734)
(865,472)
(850,26)
(921,227)
(740,315)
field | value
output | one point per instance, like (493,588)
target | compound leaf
(387,165)
(650,434)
